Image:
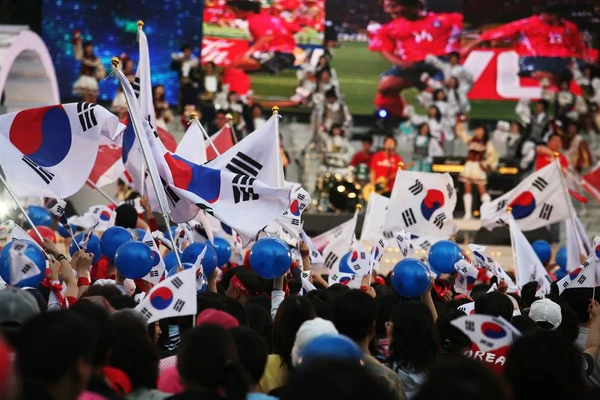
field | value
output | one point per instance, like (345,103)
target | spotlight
(382,113)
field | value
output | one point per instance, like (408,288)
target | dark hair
(578,299)
(479,290)
(185,47)
(528,294)
(51,344)
(438,91)
(207,359)
(553,135)
(454,54)
(568,327)
(495,304)
(385,305)
(236,310)
(414,342)
(322,302)
(252,352)
(292,313)
(524,324)
(367,139)
(331,93)
(458,377)
(263,301)
(354,315)
(133,352)
(107,291)
(122,302)
(438,114)
(337,289)
(260,320)
(328,379)
(424,124)
(535,360)
(221,112)
(486,134)
(99,320)
(544,103)
(336,126)
(245,5)
(251,281)
(390,137)
(126,216)
(452,340)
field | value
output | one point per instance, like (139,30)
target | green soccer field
(358,71)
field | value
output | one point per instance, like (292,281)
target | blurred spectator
(210,86)
(164,116)
(187,66)
(364,155)
(218,123)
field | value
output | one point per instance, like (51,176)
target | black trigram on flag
(425,245)
(149,243)
(173,197)
(243,165)
(153,274)
(470,326)
(546,211)
(439,220)
(416,188)
(408,217)
(540,184)
(85,112)
(243,189)
(177,282)
(45,175)
(136,87)
(144,311)
(26,268)
(502,222)
(330,260)
(449,190)
(501,205)
(581,279)
(179,305)
(388,234)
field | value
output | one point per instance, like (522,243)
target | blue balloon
(223,249)
(112,239)
(344,266)
(210,262)
(443,255)
(134,260)
(543,250)
(34,253)
(93,246)
(173,269)
(561,258)
(40,216)
(410,277)
(560,274)
(270,257)
(170,260)
(333,347)
(63,232)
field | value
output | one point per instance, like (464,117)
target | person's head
(572,129)
(217,317)
(55,351)
(541,106)
(128,66)
(408,9)
(220,118)
(210,68)
(424,129)
(390,144)
(88,49)
(207,361)
(260,320)
(495,304)
(578,299)
(331,96)
(366,143)
(309,330)
(126,216)
(244,284)
(109,291)
(454,58)
(439,95)
(292,313)
(252,352)
(233,97)
(385,305)
(452,340)
(413,338)
(159,91)
(16,308)
(99,320)
(244,8)
(564,85)
(336,130)
(453,83)
(354,315)
(515,128)
(257,111)
(323,62)
(324,75)
(434,113)
(535,360)
(551,13)
(555,142)
(546,314)
(337,289)
(133,351)
(186,49)
(481,133)
(322,302)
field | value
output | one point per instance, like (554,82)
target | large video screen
(111,25)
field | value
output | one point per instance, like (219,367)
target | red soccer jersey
(542,160)
(385,166)
(412,41)
(261,25)
(536,38)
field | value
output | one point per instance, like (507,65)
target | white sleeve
(523,111)
(277,297)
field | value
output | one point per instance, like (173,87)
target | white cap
(546,310)
(309,330)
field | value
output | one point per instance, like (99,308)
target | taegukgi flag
(158,265)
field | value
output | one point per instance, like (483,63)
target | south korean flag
(359,259)
(291,219)
(403,241)
(539,200)
(158,265)
(201,279)
(422,203)
(307,286)
(377,252)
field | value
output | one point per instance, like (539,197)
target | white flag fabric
(341,245)
(19,233)
(422,203)
(466,277)
(482,260)
(315,257)
(487,332)
(158,265)
(403,241)
(291,218)
(50,151)
(584,276)
(528,266)
(102,216)
(467,308)
(306,285)
(143,80)
(201,279)
(377,252)
(192,146)
(173,297)
(539,200)
(324,239)
(375,215)
(21,266)
(360,259)
(184,236)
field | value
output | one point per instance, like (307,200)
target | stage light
(382,113)
(4,208)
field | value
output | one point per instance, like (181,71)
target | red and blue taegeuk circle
(433,201)
(161,298)
(492,330)
(523,205)
(204,182)
(597,251)
(295,208)
(155,258)
(471,282)
(105,216)
(42,134)
(345,280)
(575,273)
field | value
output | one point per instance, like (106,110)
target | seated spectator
(164,116)
(364,155)
(218,123)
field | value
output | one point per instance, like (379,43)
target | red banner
(222,51)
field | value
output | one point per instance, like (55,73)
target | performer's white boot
(468,202)
(485,198)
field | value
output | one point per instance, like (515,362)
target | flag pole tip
(275,109)
(509,210)
(400,165)
(115,62)
(556,154)
(228,117)
(193,115)
(358,207)
(140,24)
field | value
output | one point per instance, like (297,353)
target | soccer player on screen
(274,42)
(406,42)
(546,44)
